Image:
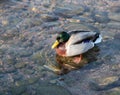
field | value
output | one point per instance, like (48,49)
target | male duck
(75,43)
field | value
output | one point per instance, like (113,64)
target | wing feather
(79,36)
(77,49)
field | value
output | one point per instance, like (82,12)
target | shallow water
(27,30)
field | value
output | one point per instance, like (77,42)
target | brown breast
(61,50)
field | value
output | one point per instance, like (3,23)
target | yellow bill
(56,43)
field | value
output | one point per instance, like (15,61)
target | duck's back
(79,36)
(80,42)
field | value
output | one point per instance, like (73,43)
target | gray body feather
(75,46)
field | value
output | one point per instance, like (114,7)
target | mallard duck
(75,43)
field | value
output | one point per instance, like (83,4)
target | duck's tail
(97,39)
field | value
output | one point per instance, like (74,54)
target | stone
(50,24)
(84,19)
(20,83)
(62,12)
(9,69)
(52,90)
(113,25)
(39,68)
(68,12)
(25,53)
(18,90)
(49,18)
(101,17)
(14,20)
(2,51)
(1,75)
(74,20)
(114,17)
(20,65)
(28,81)
(27,23)
(10,34)
(10,60)
(104,84)
(27,44)
(36,22)
(29,71)
(108,80)
(115,9)
(5,22)
(39,58)
(114,91)
(32,80)
(17,76)
(53,81)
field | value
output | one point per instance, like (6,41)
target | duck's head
(61,38)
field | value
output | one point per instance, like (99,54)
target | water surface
(27,30)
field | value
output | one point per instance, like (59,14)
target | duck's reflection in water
(66,64)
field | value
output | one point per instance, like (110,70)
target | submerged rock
(114,17)
(49,18)
(101,17)
(115,9)
(113,25)
(20,65)
(18,90)
(114,91)
(39,57)
(52,90)
(68,12)
(10,34)
(50,24)
(105,84)
(83,19)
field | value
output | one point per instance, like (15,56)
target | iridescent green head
(61,38)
